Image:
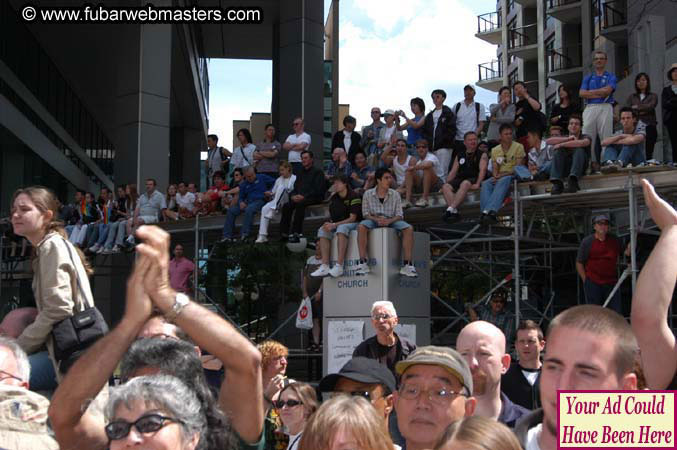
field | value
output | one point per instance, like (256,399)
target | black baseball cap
(362,370)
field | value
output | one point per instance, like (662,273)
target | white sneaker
(406,204)
(116,249)
(321,271)
(94,248)
(362,269)
(100,250)
(106,251)
(336,271)
(261,239)
(408,271)
(422,203)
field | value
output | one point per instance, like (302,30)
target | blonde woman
(297,402)
(478,433)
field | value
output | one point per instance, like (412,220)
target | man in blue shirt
(598,88)
(250,200)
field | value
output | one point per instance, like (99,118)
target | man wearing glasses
(371,132)
(296,143)
(385,346)
(435,391)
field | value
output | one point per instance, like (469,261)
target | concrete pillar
(587,34)
(142,134)
(298,58)
(542,60)
(504,40)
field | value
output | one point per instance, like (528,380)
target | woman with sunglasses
(297,403)
(157,412)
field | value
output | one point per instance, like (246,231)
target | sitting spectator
(192,188)
(71,214)
(181,270)
(217,196)
(483,346)
(382,207)
(496,314)
(371,133)
(171,212)
(398,160)
(185,201)
(385,346)
(527,113)
(626,146)
(348,139)
(243,155)
(427,175)
(298,401)
(389,133)
(414,126)
(644,103)
(520,383)
(345,212)
(284,184)
(309,189)
(555,131)
(562,111)
(478,433)
(147,209)
(500,113)
(443,378)
(123,210)
(470,116)
(339,164)
(669,108)
(296,144)
(362,176)
(440,130)
(504,158)
(570,157)
(249,200)
(539,159)
(467,173)
(266,155)
(97,238)
(91,215)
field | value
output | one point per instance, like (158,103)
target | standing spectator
(596,264)
(280,196)
(470,116)
(598,89)
(644,103)
(467,173)
(414,126)
(362,176)
(371,132)
(570,156)
(266,154)
(181,271)
(243,156)
(273,369)
(298,401)
(504,158)
(626,146)
(347,138)
(249,200)
(171,212)
(185,200)
(382,207)
(147,209)
(309,189)
(483,346)
(669,105)
(217,158)
(539,159)
(60,279)
(520,382)
(345,212)
(385,346)
(500,113)
(339,164)
(528,114)
(296,144)
(562,111)
(389,133)
(427,174)
(440,129)
(126,204)
(496,314)
(311,287)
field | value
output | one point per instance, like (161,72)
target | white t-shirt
(531,376)
(466,119)
(436,117)
(532,437)
(437,167)
(293,139)
(400,170)
(346,140)
(243,156)
(185,201)
(388,133)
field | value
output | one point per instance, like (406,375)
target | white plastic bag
(304,316)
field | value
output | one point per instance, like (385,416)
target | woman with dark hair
(500,113)
(644,103)
(669,103)
(347,138)
(60,278)
(297,402)
(243,156)
(413,126)
(564,109)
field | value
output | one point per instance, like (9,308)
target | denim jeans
(43,376)
(493,193)
(104,228)
(523,172)
(568,162)
(596,294)
(234,211)
(625,153)
(116,234)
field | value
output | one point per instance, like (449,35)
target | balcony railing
(490,70)
(564,58)
(614,13)
(522,37)
(488,22)
(558,3)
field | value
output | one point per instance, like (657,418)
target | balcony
(522,42)
(565,64)
(489,28)
(566,11)
(614,20)
(490,75)
(527,3)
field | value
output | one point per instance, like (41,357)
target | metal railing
(488,22)
(564,58)
(614,13)
(522,37)
(558,3)
(490,70)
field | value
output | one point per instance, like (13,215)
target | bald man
(482,345)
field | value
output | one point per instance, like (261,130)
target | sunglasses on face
(364,394)
(150,423)
(279,404)
(381,316)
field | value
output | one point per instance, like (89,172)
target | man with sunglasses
(371,132)
(385,346)
(435,391)
(296,143)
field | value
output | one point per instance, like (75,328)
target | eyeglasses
(439,395)
(149,423)
(381,316)
(5,375)
(279,404)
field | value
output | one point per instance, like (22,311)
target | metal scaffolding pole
(516,234)
(632,200)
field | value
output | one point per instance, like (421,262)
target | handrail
(613,17)
(488,22)
(564,58)
(519,38)
(490,70)
(558,3)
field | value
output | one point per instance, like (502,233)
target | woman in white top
(296,403)
(280,193)
(389,133)
(243,156)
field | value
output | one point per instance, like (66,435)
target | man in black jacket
(347,138)
(309,189)
(521,382)
(439,129)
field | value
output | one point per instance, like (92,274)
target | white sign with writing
(407,331)
(343,337)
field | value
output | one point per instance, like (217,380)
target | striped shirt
(390,207)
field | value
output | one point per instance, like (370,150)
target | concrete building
(545,43)
(331,122)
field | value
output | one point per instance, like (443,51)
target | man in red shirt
(596,264)
(180,270)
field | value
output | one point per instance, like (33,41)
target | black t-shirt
(341,208)
(531,118)
(388,355)
(564,114)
